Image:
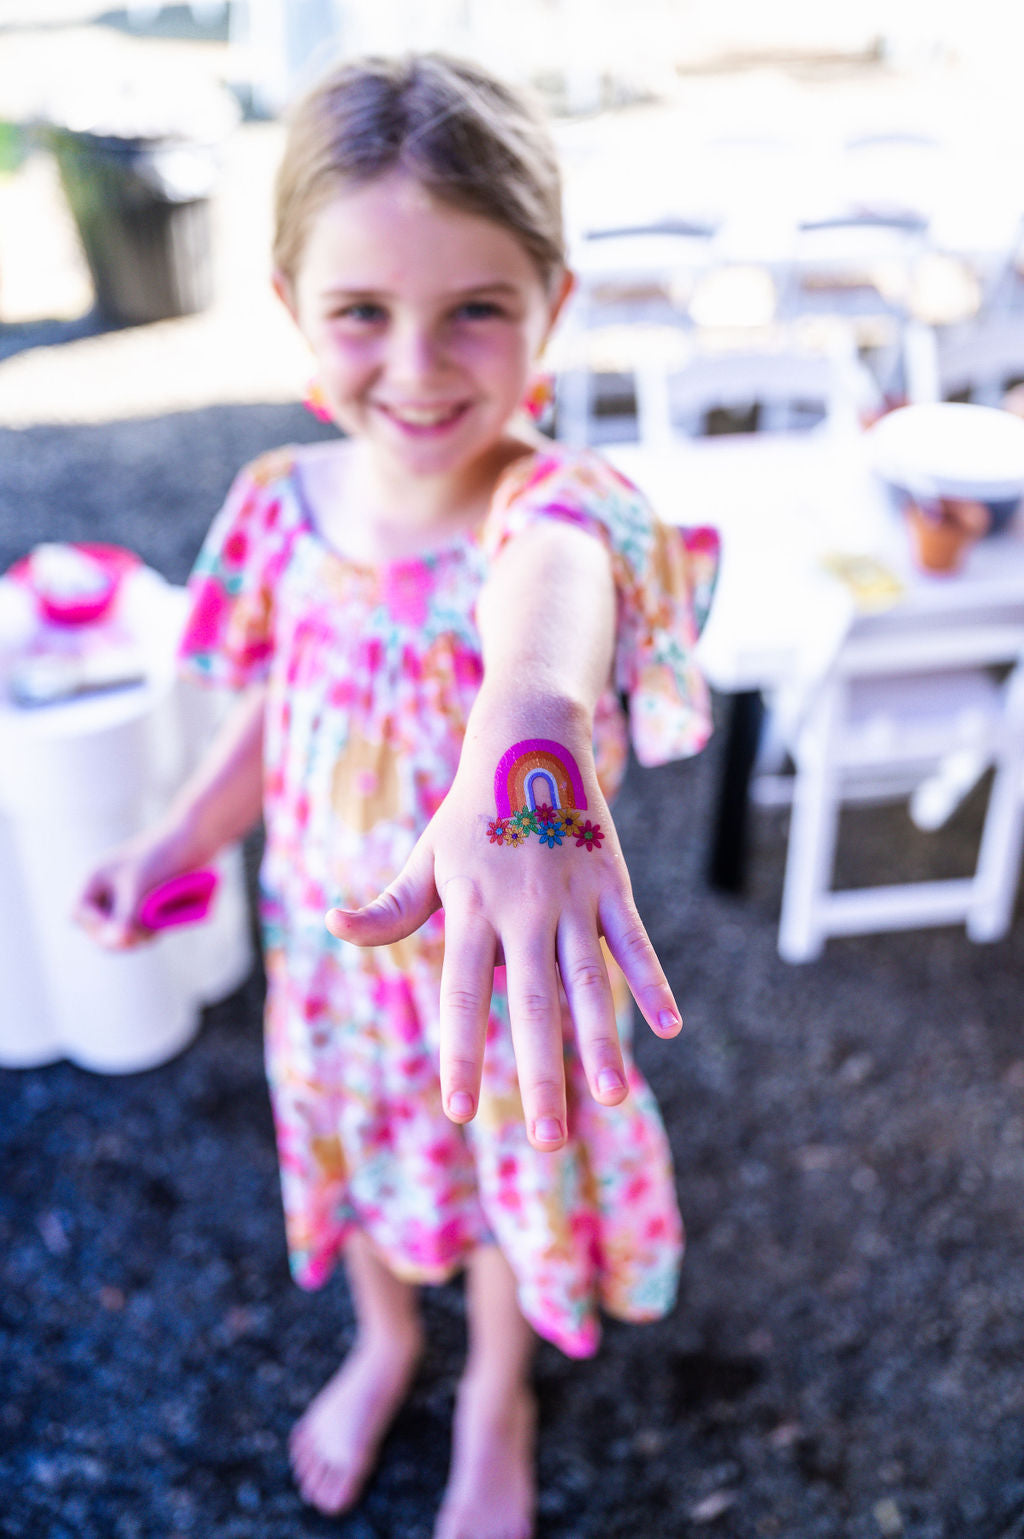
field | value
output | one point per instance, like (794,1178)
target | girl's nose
(416,355)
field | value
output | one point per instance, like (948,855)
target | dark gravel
(847,1357)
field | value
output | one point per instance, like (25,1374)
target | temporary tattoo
(538,790)
(589,836)
(536,772)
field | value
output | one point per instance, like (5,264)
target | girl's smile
(425,322)
(424,422)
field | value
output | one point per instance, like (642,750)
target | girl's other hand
(111,896)
(218,804)
(542,911)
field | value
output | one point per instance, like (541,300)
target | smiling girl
(433,622)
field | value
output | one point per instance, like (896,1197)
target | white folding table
(787,505)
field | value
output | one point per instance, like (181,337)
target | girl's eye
(365,313)
(479,310)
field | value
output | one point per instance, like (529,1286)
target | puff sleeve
(228,637)
(663,580)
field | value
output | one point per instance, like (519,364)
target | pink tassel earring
(316,402)
(539,397)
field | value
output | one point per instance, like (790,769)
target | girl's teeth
(425,418)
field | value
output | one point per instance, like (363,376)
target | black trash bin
(142,207)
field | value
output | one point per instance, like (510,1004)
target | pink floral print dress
(370,676)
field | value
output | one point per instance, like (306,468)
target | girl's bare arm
(547,619)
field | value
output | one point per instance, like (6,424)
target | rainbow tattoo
(538,791)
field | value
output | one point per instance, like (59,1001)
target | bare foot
(490,1493)
(334,1444)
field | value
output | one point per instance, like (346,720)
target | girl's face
(425,321)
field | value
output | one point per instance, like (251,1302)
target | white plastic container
(76,779)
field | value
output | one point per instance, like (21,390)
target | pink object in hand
(184,899)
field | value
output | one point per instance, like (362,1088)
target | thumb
(401,908)
(106,910)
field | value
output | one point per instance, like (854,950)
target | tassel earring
(316,402)
(539,397)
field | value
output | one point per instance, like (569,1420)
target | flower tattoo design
(589,836)
(538,791)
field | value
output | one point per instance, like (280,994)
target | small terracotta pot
(942,533)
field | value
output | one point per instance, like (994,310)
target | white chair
(895,168)
(977,360)
(988,244)
(854,264)
(859,263)
(625,323)
(913,704)
(791,381)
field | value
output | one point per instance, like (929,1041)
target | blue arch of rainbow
(536,771)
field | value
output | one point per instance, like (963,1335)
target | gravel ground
(845,1359)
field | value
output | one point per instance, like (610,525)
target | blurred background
(744,127)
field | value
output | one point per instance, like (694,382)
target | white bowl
(952,449)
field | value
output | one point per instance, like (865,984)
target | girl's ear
(285,291)
(560,297)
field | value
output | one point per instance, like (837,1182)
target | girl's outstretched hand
(539,899)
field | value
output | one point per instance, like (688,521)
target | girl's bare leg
(490,1493)
(334,1445)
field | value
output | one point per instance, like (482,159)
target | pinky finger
(631,947)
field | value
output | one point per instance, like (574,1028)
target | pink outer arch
(509,760)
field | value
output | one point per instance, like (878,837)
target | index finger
(631,947)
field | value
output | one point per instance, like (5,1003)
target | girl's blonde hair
(466,137)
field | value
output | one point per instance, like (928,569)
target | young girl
(433,622)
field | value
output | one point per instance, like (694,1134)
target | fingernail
(460,1103)
(608,1081)
(547,1130)
(668,1020)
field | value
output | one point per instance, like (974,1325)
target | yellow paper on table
(873,585)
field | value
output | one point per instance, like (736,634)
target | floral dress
(370,674)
